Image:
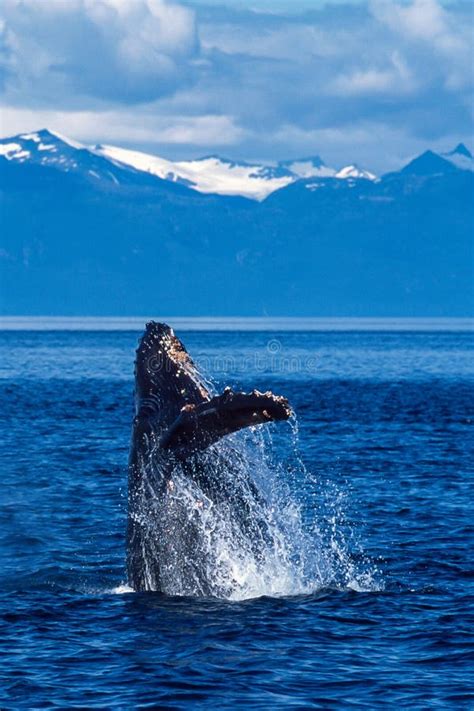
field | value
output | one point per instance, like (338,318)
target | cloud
(444,34)
(371,144)
(396,79)
(402,65)
(424,19)
(123,127)
(125,51)
(162,75)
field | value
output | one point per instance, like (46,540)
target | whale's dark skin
(176,422)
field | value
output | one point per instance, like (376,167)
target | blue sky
(371,81)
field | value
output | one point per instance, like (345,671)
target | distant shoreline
(258,323)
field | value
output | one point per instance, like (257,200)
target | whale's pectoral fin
(199,426)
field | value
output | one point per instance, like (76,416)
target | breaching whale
(177,424)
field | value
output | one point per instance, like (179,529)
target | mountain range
(102,230)
(210,174)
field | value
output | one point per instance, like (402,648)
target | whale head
(165,375)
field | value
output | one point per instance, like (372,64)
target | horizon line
(242,323)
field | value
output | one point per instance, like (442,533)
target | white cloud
(122,126)
(158,75)
(203,131)
(424,19)
(441,31)
(371,144)
(126,51)
(396,79)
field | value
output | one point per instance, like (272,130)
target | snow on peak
(30,137)
(36,145)
(353,171)
(13,151)
(64,139)
(210,174)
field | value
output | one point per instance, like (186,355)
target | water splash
(246,534)
(121,589)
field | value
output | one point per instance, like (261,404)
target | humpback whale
(177,425)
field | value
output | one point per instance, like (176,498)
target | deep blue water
(385,435)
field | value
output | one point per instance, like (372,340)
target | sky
(368,81)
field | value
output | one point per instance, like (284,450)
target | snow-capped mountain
(214,174)
(52,150)
(211,174)
(353,171)
(44,147)
(82,231)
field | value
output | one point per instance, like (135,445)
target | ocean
(373,604)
